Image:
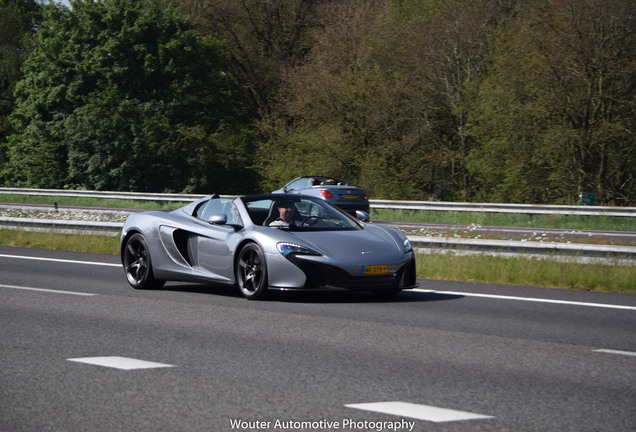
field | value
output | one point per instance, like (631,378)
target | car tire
(251,271)
(138,265)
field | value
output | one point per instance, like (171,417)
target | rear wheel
(251,271)
(138,265)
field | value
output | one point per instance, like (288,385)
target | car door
(215,243)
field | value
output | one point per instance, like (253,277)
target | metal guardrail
(573,252)
(580,210)
(103,194)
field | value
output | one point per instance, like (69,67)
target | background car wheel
(251,271)
(137,264)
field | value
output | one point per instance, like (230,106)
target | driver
(286,213)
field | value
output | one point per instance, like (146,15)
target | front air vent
(181,240)
(175,242)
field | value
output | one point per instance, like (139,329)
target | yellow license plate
(375,269)
(350,196)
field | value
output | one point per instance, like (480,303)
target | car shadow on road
(358,297)
(196,288)
(317,297)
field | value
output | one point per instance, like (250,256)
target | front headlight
(407,246)
(290,250)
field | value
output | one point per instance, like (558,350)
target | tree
(320,117)
(263,39)
(382,98)
(555,115)
(124,95)
(18,21)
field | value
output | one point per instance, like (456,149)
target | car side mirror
(363,216)
(218,219)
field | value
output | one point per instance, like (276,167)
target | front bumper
(323,276)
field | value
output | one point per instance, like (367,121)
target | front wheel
(251,271)
(137,264)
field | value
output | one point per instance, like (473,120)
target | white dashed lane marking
(95,263)
(526,299)
(420,412)
(609,351)
(120,362)
(46,290)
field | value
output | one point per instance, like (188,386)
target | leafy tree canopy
(124,95)
(555,114)
(18,21)
(491,100)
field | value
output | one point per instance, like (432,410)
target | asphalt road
(447,357)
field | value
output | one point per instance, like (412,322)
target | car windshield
(297,214)
(322,181)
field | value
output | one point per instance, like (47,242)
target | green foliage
(429,99)
(383,82)
(263,39)
(124,95)
(493,101)
(18,20)
(554,115)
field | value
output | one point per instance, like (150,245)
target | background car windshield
(309,214)
(307,182)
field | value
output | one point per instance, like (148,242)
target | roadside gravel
(78,214)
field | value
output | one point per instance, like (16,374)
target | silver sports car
(260,242)
(336,192)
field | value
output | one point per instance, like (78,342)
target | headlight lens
(407,246)
(289,250)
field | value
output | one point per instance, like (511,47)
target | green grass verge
(528,272)
(67,242)
(513,271)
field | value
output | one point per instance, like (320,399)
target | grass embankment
(528,272)
(573,222)
(66,242)
(514,271)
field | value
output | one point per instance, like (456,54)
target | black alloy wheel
(137,264)
(251,271)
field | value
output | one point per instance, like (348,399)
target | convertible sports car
(336,192)
(260,242)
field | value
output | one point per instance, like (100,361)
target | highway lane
(305,358)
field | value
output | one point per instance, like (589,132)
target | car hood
(373,241)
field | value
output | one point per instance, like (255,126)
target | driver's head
(286,210)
